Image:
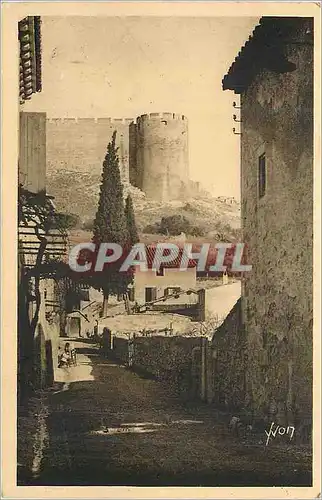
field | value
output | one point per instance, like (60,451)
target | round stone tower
(162,164)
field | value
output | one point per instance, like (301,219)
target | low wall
(168,359)
(227,362)
(192,366)
(191,310)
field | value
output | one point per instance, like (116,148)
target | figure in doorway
(225,278)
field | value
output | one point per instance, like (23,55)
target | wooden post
(127,303)
(203,394)
(201,305)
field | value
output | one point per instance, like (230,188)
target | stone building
(273,75)
(150,285)
(165,287)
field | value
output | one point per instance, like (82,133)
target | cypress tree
(130,222)
(110,224)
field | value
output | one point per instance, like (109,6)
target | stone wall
(80,144)
(168,359)
(211,371)
(227,363)
(277,120)
(135,174)
(37,350)
(153,151)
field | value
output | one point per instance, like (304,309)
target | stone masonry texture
(81,144)
(153,150)
(277,120)
(162,155)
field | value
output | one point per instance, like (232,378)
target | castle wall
(153,151)
(81,144)
(134,174)
(162,170)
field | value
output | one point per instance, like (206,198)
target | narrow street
(109,426)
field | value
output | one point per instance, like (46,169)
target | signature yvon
(281,431)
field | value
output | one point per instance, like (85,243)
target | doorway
(150,294)
(74,327)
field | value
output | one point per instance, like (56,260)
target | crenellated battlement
(161,116)
(94,120)
(153,149)
(118,121)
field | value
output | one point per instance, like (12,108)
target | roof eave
(264,50)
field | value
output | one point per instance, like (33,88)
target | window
(160,272)
(261,175)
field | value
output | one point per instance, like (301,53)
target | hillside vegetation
(215,219)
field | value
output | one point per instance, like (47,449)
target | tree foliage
(110,224)
(130,221)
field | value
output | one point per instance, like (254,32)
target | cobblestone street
(105,425)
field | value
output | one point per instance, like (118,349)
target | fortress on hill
(153,150)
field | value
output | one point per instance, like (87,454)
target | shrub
(175,225)
(65,221)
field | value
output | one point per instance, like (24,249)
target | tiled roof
(265,50)
(30,56)
(154,256)
(153,251)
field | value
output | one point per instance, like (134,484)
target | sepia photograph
(165,200)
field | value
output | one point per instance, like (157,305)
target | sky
(127,66)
